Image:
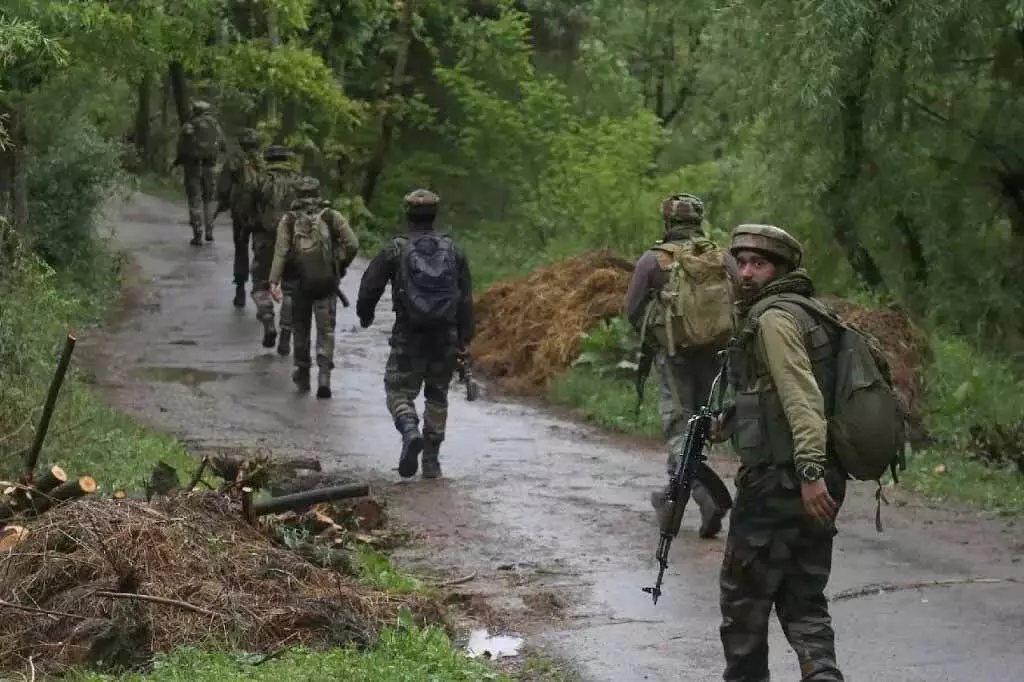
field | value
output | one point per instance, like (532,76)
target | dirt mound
(528,329)
(231,585)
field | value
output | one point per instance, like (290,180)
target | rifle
(466,376)
(698,428)
(342,297)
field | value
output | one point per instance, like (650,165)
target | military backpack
(428,291)
(694,308)
(204,137)
(312,254)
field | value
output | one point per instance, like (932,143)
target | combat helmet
(199,106)
(768,239)
(682,208)
(308,187)
(421,206)
(249,139)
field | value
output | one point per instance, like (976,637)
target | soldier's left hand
(817,500)
(275,292)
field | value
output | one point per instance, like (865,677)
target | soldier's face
(755,271)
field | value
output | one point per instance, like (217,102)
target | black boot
(412,445)
(301,378)
(209,234)
(284,342)
(323,383)
(197,237)
(711,514)
(431,450)
(269,334)
(239,301)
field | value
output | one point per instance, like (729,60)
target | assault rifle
(466,376)
(698,428)
(342,297)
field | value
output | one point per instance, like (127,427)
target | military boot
(431,450)
(323,384)
(659,502)
(269,333)
(412,445)
(239,301)
(197,236)
(301,378)
(711,514)
(209,234)
(284,342)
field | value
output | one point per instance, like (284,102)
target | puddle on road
(189,376)
(492,646)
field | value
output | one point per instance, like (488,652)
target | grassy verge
(163,186)
(962,389)
(86,436)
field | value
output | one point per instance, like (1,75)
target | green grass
(608,401)
(86,436)
(163,186)
(375,570)
(942,475)
(403,654)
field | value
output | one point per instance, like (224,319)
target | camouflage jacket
(344,242)
(275,193)
(238,184)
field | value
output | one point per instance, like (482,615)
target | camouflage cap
(422,197)
(768,239)
(276,152)
(200,105)
(683,208)
(308,187)
(249,138)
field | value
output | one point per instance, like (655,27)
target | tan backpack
(694,308)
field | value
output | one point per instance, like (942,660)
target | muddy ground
(550,516)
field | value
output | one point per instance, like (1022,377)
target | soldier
(314,248)
(687,374)
(433,301)
(275,194)
(236,192)
(789,486)
(199,143)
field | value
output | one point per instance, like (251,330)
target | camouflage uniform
(235,194)
(686,375)
(197,166)
(305,308)
(777,554)
(417,360)
(276,192)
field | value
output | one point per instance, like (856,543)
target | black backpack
(428,291)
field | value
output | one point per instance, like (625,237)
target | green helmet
(682,208)
(767,239)
(308,187)
(421,205)
(249,139)
(200,106)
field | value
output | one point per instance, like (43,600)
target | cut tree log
(11,536)
(50,479)
(311,463)
(308,498)
(70,490)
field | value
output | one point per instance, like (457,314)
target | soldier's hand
(817,500)
(275,292)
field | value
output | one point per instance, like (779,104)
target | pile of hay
(528,329)
(248,592)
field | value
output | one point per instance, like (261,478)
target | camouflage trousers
(776,555)
(692,373)
(305,311)
(262,260)
(240,233)
(199,192)
(286,316)
(415,366)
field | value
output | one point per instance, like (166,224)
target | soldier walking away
(200,141)
(236,192)
(684,354)
(433,300)
(314,248)
(790,485)
(275,194)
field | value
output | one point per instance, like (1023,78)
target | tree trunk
(308,498)
(274,33)
(179,86)
(19,178)
(375,166)
(918,272)
(143,114)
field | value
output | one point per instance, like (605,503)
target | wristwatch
(811,472)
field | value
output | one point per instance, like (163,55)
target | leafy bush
(612,348)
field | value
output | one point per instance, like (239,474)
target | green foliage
(943,474)
(375,570)
(404,653)
(612,349)
(608,401)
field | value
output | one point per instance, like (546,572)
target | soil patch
(231,585)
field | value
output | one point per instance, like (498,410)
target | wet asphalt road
(551,515)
